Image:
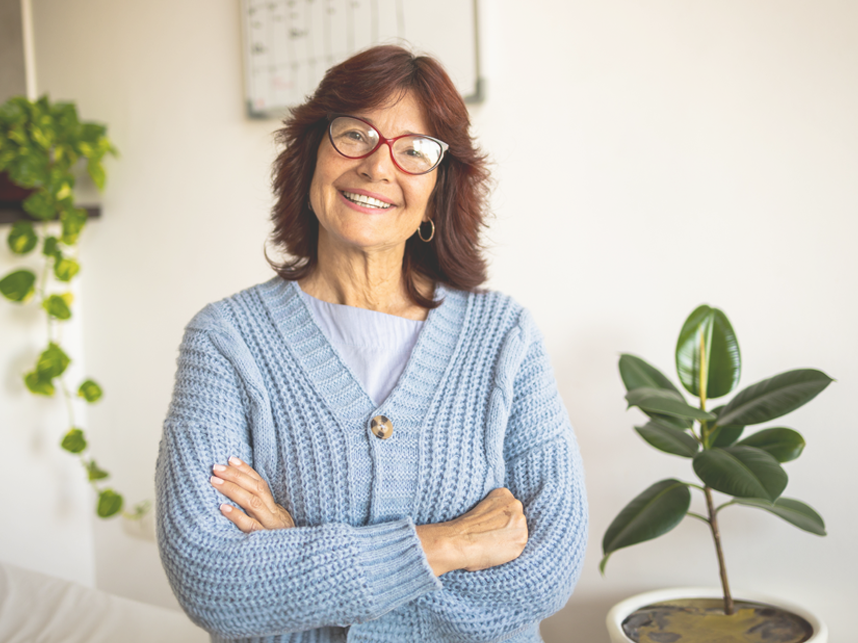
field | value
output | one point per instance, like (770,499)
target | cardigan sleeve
(543,470)
(267,582)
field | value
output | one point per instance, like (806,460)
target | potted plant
(43,146)
(748,468)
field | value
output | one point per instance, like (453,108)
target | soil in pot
(702,620)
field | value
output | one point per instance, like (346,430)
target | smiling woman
(365,447)
(426,102)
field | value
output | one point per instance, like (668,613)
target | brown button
(381,427)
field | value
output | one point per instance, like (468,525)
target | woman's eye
(413,152)
(355,136)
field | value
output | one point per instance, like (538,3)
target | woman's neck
(365,280)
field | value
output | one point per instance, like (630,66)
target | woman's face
(344,191)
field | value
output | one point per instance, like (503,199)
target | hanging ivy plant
(42,144)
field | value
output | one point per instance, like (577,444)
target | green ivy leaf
(22,238)
(58,306)
(41,204)
(94,472)
(73,441)
(65,269)
(38,384)
(73,220)
(52,362)
(109,503)
(29,169)
(51,248)
(96,172)
(19,285)
(90,391)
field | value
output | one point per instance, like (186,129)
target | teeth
(366,201)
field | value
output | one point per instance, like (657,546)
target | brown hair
(458,203)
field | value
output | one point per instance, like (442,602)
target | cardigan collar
(334,381)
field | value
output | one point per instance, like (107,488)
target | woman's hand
(491,534)
(241,484)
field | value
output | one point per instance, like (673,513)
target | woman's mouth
(366,201)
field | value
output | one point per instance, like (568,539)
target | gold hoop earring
(420,231)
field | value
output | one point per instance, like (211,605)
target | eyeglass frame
(385,141)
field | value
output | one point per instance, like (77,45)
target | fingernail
(216,480)
(225,508)
(219,467)
(235,461)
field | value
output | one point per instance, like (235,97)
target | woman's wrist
(438,546)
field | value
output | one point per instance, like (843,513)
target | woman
(423,486)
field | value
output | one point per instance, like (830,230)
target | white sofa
(35,608)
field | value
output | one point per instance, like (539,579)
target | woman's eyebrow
(370,121)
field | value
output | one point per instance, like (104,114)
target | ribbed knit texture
(477,408)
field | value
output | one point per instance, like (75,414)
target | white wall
(46,500)
(648,158)
(47,525)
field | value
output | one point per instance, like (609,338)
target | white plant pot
(621,610)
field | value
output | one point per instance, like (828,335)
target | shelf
(10,213)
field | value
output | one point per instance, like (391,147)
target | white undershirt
(375,346)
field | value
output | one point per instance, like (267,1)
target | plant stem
(68,398)
(716,535)
(725,505)
(704,372)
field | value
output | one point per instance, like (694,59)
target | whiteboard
(289,44)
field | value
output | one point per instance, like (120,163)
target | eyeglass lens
(414,154)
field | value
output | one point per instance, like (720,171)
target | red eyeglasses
(355,138)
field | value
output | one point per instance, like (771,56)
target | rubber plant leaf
(783,444)
(651,514)
(793,511)
(724,435)
(665,402)
(636,373)
(669,439)
(774,397)
(707,351)
(679,424)
(744,472)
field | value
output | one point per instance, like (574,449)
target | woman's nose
(379,165)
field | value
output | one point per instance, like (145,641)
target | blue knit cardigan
(477,408)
